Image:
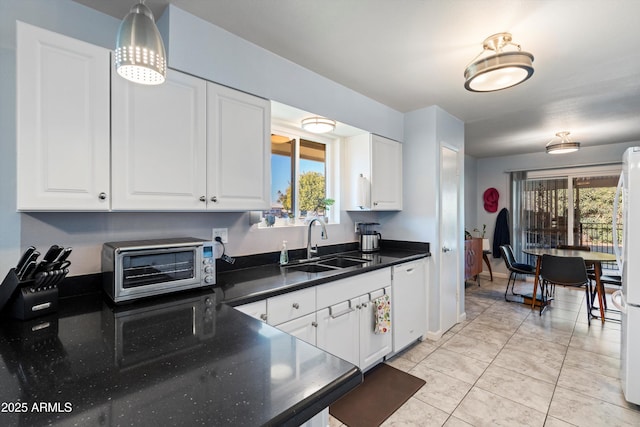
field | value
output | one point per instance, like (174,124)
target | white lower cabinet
(338,331)
(347,330)
(303,328)
(373,346)
(257,310)
(340,316)
(409,319)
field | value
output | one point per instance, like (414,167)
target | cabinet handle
(364,305)
(214,199)
(342,313)
(102,196)
(445,249)
(296,305)
(263,317)
(314,324)
(203,199)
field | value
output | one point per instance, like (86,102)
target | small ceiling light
(318,124)
(140,55)
(500,70)
(564,145)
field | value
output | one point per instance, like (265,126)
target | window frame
(332,173)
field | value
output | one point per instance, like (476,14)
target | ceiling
(409,54)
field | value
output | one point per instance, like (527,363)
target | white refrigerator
(627,299)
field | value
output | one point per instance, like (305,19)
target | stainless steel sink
(327,264)
(342,262)
(311,268)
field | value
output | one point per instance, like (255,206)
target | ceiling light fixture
(318,124)
(564,145)
(140,55)
(500,70)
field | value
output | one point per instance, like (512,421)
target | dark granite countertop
(184,359)
(245,285)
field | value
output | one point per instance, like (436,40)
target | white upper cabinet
(238,150)
(373,167)
(159,144)
(62,93)
(189,145)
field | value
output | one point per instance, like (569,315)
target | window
(300,179)
(571,206)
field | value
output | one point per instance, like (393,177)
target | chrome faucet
(323,235)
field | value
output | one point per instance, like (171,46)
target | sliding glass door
(565,207)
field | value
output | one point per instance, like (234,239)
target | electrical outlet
(223,233)
(356,227)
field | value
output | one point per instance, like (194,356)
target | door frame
(459,252)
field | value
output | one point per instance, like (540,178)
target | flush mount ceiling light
(318,124)
(499,70)
(564,145)
(139,55)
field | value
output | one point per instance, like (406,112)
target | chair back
(507,256)
(569,271)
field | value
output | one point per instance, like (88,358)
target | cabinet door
(62,93)
(159,144)
(409,303)
(238,150)
(257,310)
(303,328)
(338,331)
(283,308)
(386,175)
(373,347)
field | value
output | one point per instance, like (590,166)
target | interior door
(449,237)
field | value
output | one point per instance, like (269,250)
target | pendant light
(140,55)
(564,145)
(499,70)
(318,124)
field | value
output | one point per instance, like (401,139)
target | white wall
(236,63)
(471,196)
(424,131)
(493,172)
(210,52)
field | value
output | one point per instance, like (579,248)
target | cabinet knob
(375,203)
(296,305)
(203,199)
(445,249)
(263,317)
(314,324)
(214,199)
(364,305)
(102,196)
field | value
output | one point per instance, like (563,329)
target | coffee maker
(369,239)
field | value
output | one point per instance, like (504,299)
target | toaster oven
(144,268)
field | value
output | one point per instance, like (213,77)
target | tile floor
(507,366)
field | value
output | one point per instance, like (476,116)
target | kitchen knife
(32,258)
(41,277)
(24,258)
(46,263)
(27,272)
(61,259)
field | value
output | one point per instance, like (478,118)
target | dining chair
(514,268)
(591,271)
(564,271)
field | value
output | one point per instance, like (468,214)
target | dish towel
(382,313)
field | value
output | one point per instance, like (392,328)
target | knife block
(23,300)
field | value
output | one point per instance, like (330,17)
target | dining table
(590,257)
